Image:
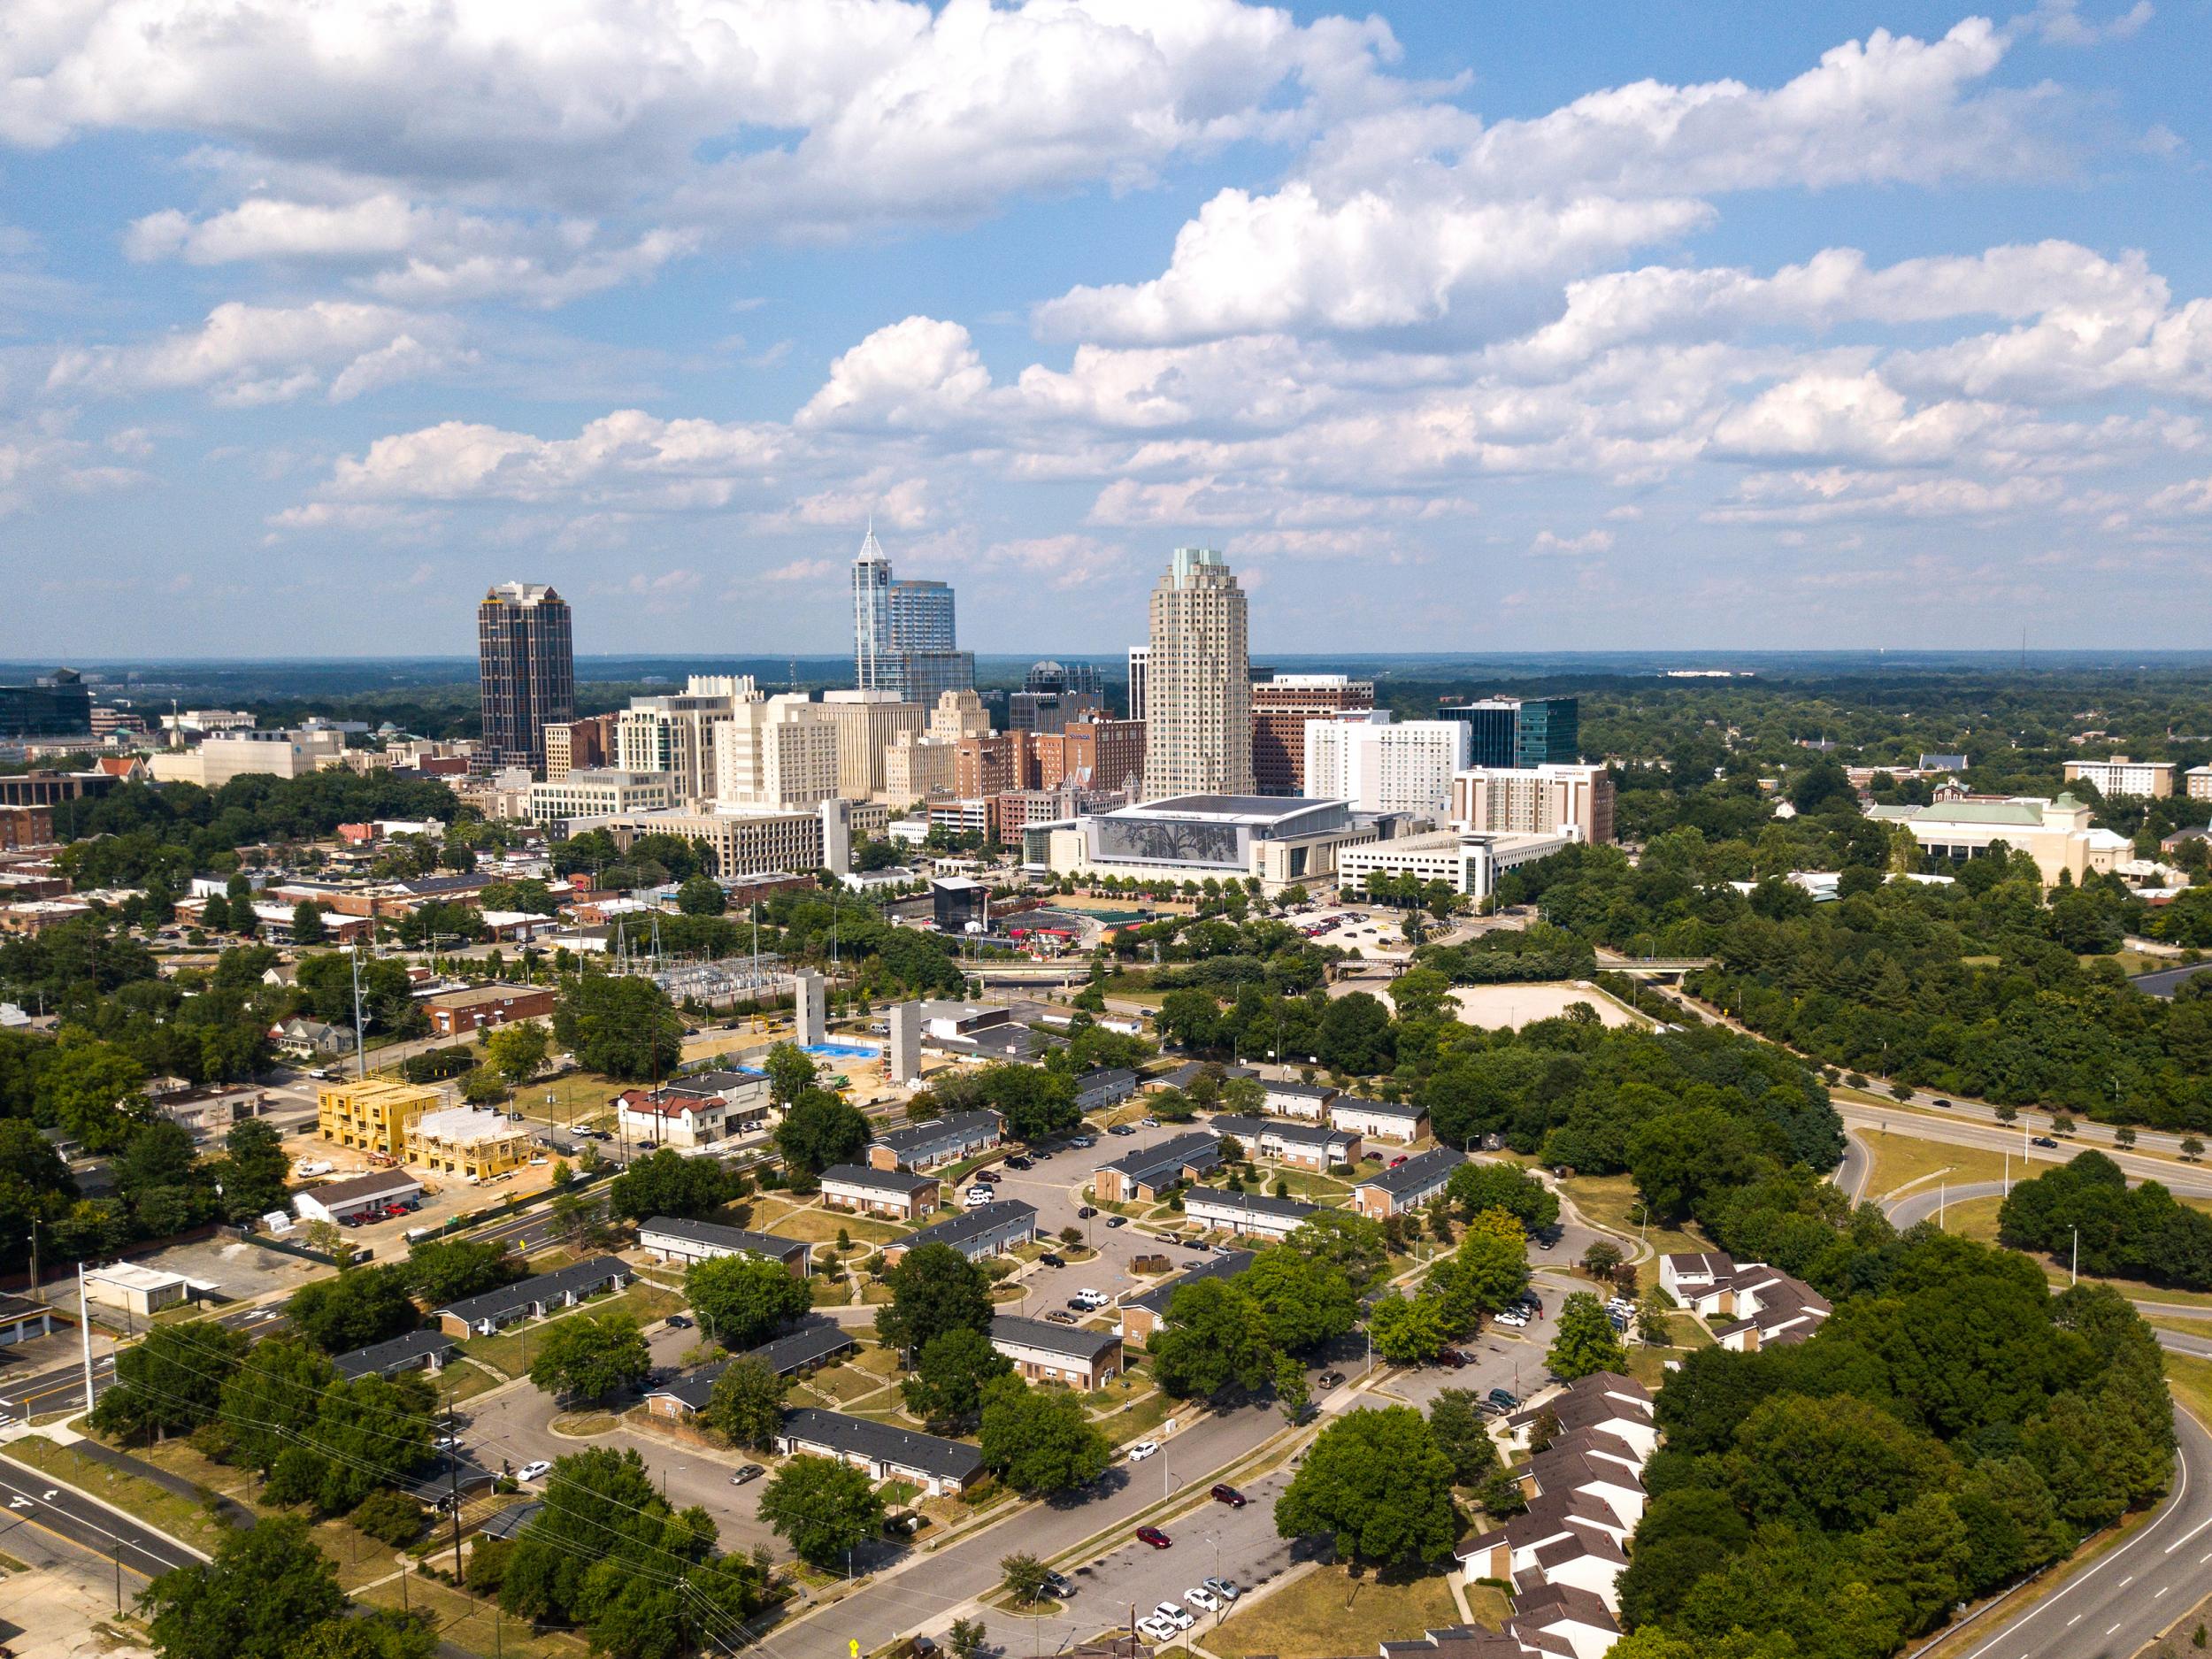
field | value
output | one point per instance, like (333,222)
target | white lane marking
(2161,1590)
(2186,1536)
(2124,1582)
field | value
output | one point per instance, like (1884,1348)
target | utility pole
(360,1048)
(2073,1273)
(84,1330)
(453,1484)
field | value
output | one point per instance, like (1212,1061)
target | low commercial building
(678,1238)
(1468,863)
(475,1145)
(365,1194)
(695,1111)
(210,1111)
(137,1289)
(600,792)
(940,1467)
(1141,1176)
(1380,1119)
(2056,834)
(23,1318)
(925,1146)
(458,1013)
(534,1298)
(1301,1146)
(418,1350)
(373,1115)
(897,1194)
(1043,1352)
(987,1230)
(1255,1215)
(1146,1312)
(1407,1187)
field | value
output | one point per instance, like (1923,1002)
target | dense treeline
(2145,1234)
(1952,1427)
(1976,986)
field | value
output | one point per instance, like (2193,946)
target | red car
(1153,1536)
(1226,1493)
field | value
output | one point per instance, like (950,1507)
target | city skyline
(1451,333)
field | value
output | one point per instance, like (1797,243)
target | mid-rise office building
(903,633)
(868,724)
(1379,766)
(578,746)
(776,752)
(1093,753)
(1140,667)
(2118,776)
(675,734)
(600,792)
(1054,693)
(1280,709)
(1198,692)
(1535,800)
(526,665)
(292,753)
(59,704)
(1519,731)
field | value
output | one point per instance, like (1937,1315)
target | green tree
(1040,1439)
(822,1507)
(443,1271)
(667,1183)
(1475,1188)
(1215,1342)
(517,1051)
(1407,1332)
(1378,1485)
(1456,1422)
(1024,1576)
(951,1373)
(170,1381)
(790,1073)
(1586,1341)
(92,1092)
(966,1637)
(744,1302)
(1307,1299)
(591,1356)
(623,1025)
(934,1289)
(821,1130)
(1487,1272)
(1353,1244)
(307,923)
(1292,1396)
(265,1588)
(360,1306)
(701,895)
(748,1403)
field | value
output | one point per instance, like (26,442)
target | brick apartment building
(460,1012)
(1280,709)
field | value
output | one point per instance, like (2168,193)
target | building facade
(676,734)
(868,724)
(1379,766)
(578,746)
(2118,776)
(59,704)
(1517,732)
(373,1115)
(1280,709)
(526,668)
(1535,800)
(776,752)
(1198,691)
(1139,679)
(600,792)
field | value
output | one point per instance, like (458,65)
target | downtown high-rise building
(903,635)
(527,665)
(1280,709)
(1198,682)
(1139,661)
(1520,731)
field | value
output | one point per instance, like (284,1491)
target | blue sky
(1458,327)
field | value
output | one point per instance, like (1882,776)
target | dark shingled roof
(904,1448)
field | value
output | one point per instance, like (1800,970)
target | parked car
(1121,1129)
(1018,1162)
(977,1197)
(1226,1589)
(1505,1398)
(1450,1358)
(747,1473)
(533,1471)
(1052,1258)
(1155,1630)
(1059,1586)
(1174,1616)
(1089,1299)
(1204,1600)
(1116,1221)
(1224,1492)
(676,1322)
(1084,1212)
(1149,1123)
(1153,1536)
(1060,1316)
(1332,1379)
(1143,1449)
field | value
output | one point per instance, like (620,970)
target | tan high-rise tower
(1198,695)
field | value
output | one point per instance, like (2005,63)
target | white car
(1143,1449)
(1155,1630)
(979,1196)
(1205,1600)
(1089,1298)
(1174,1616)
(533,1471)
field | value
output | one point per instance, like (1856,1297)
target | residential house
(871,1192)
(311,1039)
(939,1140)
(1302,1146)
(987,1230)
(1103,1086)
(940,1467)
(1183,1076)
(1048,1353)
(1380,1119)
(1141,1176)
(1257,1215)
(678,1238)
(418,1350)
(1404,1188)
(533,1298)
(1290,1099)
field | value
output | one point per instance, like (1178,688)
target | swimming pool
(844,1050)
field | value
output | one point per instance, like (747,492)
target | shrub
(388,1517)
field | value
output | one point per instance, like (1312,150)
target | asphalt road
(1857,1169)
(2120,1603)
(31,1497)
(2166,981)
(59,1389)
(1994,1137)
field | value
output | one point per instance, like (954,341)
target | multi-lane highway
(59,1389)
(31,1497)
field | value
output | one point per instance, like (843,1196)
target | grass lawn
(464,1382)
(509,1351)
(180,1517)
(828,1291)
(841,1382)
(1901,1159)
(469,1623)
(1610,1201)
(790,1219)
(1330,1612)
(1490,1605)
(1141,1418)
(1973,1219)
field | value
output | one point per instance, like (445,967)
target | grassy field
(1610,1201)
(1973,1219)
(1902,1160)
(791,1220)
(1330,1612)
(180,1517)
(509,1351)
(470,1623)
(1139,1420)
